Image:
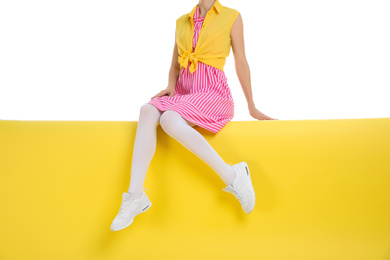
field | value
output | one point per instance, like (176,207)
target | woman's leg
(144,147)
(179,129)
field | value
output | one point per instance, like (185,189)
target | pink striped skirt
(202,97)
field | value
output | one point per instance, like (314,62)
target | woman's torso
(205,78)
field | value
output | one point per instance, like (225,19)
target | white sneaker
(242,187)
(130,207)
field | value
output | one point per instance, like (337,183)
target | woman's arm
(242,67)
(174,71)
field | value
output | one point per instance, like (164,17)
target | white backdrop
(102,60)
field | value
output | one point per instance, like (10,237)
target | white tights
(179,129)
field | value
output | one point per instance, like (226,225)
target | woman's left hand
(254,112)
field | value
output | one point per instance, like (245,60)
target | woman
(197,94)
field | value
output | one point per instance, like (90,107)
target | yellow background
(322,192)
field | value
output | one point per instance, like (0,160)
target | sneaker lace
(237,194)
(124,207)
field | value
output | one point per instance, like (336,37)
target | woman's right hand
(170,91)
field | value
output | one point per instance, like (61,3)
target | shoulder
(229,16)
(182,17)
(230,11)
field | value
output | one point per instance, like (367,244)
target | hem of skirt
(204,126)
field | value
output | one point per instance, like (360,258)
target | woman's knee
(150,111)
(168,119)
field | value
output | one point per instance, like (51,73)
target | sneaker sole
(130,221)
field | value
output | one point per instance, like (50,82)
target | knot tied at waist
(189,56)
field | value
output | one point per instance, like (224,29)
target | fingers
(164,92)
(161,93)
(270,118)
(264,117)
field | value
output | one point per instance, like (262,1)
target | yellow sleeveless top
(214,41)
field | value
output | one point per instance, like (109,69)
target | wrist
(251,105)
